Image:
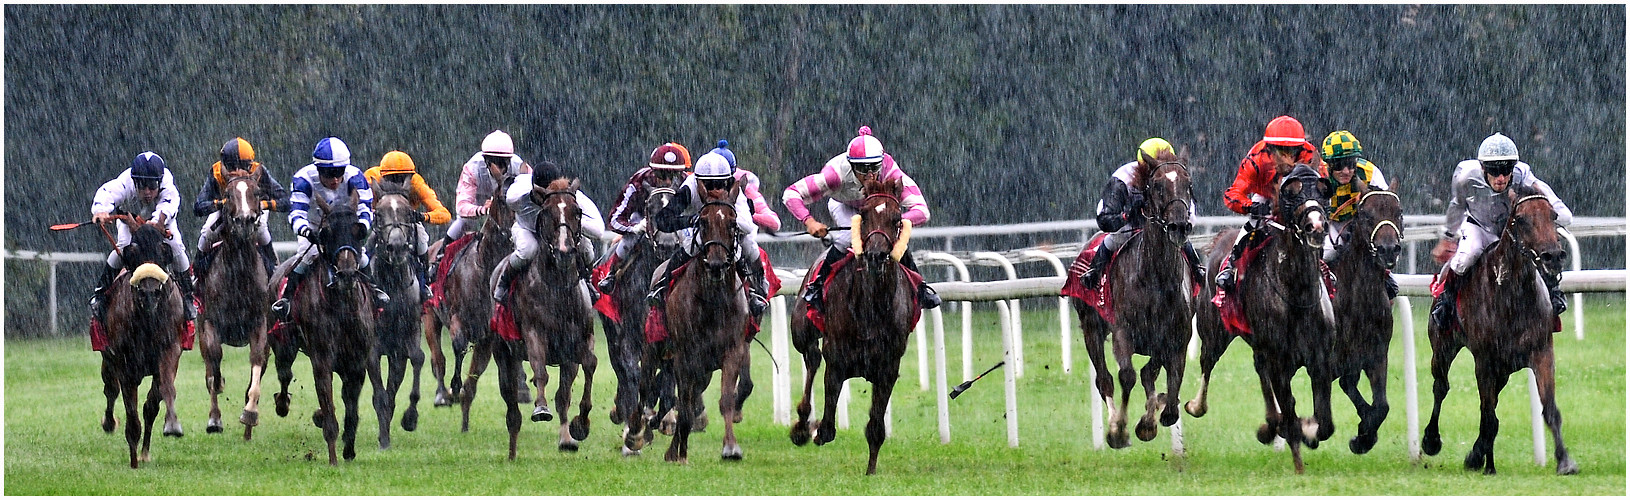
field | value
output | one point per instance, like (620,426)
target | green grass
(53,445)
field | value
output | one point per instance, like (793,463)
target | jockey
(762,215)
(237,159)
(1283,146)
(715,175)
(331,176)
(397,168)
(523,197)
(1344,158)
(146,187)
(1119,211)
(667,165)
(1478,208)
(477,182)
(842,178)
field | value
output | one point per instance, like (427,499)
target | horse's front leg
(580,423)
(438,361)
(729,409)
(827,430)
(1175,363)
(258,351)
(1117,416)
(1092,328)
(1490,381)
(876,426)
(110,390)
(537,355)
(563,400)
(351,380)
(478,365)
(322,374)
(384,394)
(164,385)
(133,425)
(1443,356)
(410,418)
(284,353)
(210,350)
(801,426)
(1543,364)
(1153,403)
(1213,343)
(1271,410)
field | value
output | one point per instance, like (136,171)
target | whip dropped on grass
(957,391)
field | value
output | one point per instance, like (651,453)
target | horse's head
(1377,225)
(879,233)
(241,214)
(499,216)
(1532,227)
(148,256)
(660,194)
(717,230)
(560,224)
(396,223)
(1169,198)
(340,238)
(1301,204)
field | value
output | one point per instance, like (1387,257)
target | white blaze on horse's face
(1315,216)
(879,209)
(1172,177)
(243,198)
(563,238)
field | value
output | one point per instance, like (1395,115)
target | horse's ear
(1326,187)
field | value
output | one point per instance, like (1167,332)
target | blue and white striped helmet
(331,152)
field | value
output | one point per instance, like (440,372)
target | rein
(729,246)
(1510,221)
(1158,217)
(1376,254)
(889,239)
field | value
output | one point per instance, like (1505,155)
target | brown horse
(1153,300)
(468,307)
(870,304)
(396,223)
(144,324)
(1506,322)
(1363,309)
(1289,314)
(625,339)
(555,320)
(334,325)
(236,309)
(707,315)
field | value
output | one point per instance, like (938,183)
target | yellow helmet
(1151,149)
(1341,144)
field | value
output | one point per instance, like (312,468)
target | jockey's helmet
(1497,147)
(331,157)
(396,162)
(498,144)
(236,154)
(1285,131)
(713,166)
(1150,149)
(865,151)
(723,149)
(545,173)
(1341,144)
(147,167)
(670,156)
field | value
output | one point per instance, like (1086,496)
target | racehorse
(333,320)
(1506,321)
(233,291)
(1153,298)
(393,268)
(1288,312)
(1363,310)
(554,317)
(625,338)
(707,318)
(468,302)
(869,316)
(144,326)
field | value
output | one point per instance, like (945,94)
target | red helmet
(670,156)
(864,148)
(1285,131)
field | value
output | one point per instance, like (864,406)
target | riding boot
(1391,286)
(659,288)
(380,297)
(1443,309)
(281,307)
(184,280)
(1553,284)
(1225,276)
(511,267)
(585,270)
(424,284)
(611,276)
(753,272)
(98,294)
(201,262)
(433,262)
(1095,269)
(268,257)
(926,296)
(1197,268)
(813,294)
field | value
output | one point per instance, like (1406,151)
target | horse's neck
(1156,254)
(493,247)
(1300,261)
(1505,266)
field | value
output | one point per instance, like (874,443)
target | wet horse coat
(1363,310)
(144,326)
(236,307)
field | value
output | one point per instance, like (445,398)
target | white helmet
(713,166)
(1497,147)
(498,144)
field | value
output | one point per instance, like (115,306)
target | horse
(1153,300)
(554,317)
(237,306)
(707,318)
(468,304)
(144,326)
(1506,322)
(1288,312)
(1363,310)
(333,323)
(397,226)
(869,316)
(625,338)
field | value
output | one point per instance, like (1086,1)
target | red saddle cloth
(818,318)
(656,320)
(1230,307)
(607,304)
(1099,298)
(448,253)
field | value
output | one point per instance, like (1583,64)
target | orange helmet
(1285,131)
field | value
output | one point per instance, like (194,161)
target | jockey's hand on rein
(1259,208)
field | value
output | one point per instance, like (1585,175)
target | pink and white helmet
(864,148)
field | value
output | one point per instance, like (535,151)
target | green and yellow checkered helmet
(1341,144)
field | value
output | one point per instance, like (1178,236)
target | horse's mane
(882,186)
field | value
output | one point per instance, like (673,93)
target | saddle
(1233,310)
(656,320)
(818,318)
(451,254)
(1437,289)
(1101,298)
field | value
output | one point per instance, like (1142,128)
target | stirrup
(608,282)
(927,297)
(655,298)
(1225,278)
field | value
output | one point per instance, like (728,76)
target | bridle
(888,239)
(384,230)
(729,244)
(1511,220)
(574,234)
(1374,253)
(1158,217)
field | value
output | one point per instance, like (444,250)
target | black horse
(1153,299)
(236,306)
(333,319)
(397,227)
(1363,309)
(144,326)
(1506,321)
(625,338)
(469,305)
(1289,314)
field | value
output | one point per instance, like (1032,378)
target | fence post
(1063,308)
(54,330)
(1008,375)
(781,380)
(967,310)
(1578,297)
(1405,314)
(1013,304)
(941,396)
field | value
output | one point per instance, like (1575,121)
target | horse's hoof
(410,419)
(1361,443)
(1310,432)
(1195,408)
(1474,460)
(579,428)
(1146,430)
(1432,444)
(1264,434)
(542,414)
(570,446)
(736,419)
(281,400)
(174,430)
(616,416)
(350,454)
(1567,467)
(1117,440)
(249,418)
(442,400)
(109,423)
(317,418)
(213,425)
(699,424)
(1168,418)
(629,452)
(384,443)
(823,436)
(799,434)
(731,453)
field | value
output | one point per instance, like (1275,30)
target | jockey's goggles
(496,161)
(1499,168)
(1289,150)
(718,184)
(146,183)
(866,168)
(667,174)
(1341,164)
(232,165)
(331,172)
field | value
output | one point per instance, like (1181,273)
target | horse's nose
(1553,258)
(1179,227)
(1389,253)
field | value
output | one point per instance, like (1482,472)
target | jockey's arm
(464,198)
(762,214)
(299,202)
(205,203)
(169,199)
(594,226)
(912,205)
(1564,216)
(275,196)
(668,220)
(365,200)
(800,194)
(622,209)
(1238,195)
(1112,206)
(1378,180)
(1459,188)
(435,213)
(111,194)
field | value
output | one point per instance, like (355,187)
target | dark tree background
(1003,113)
